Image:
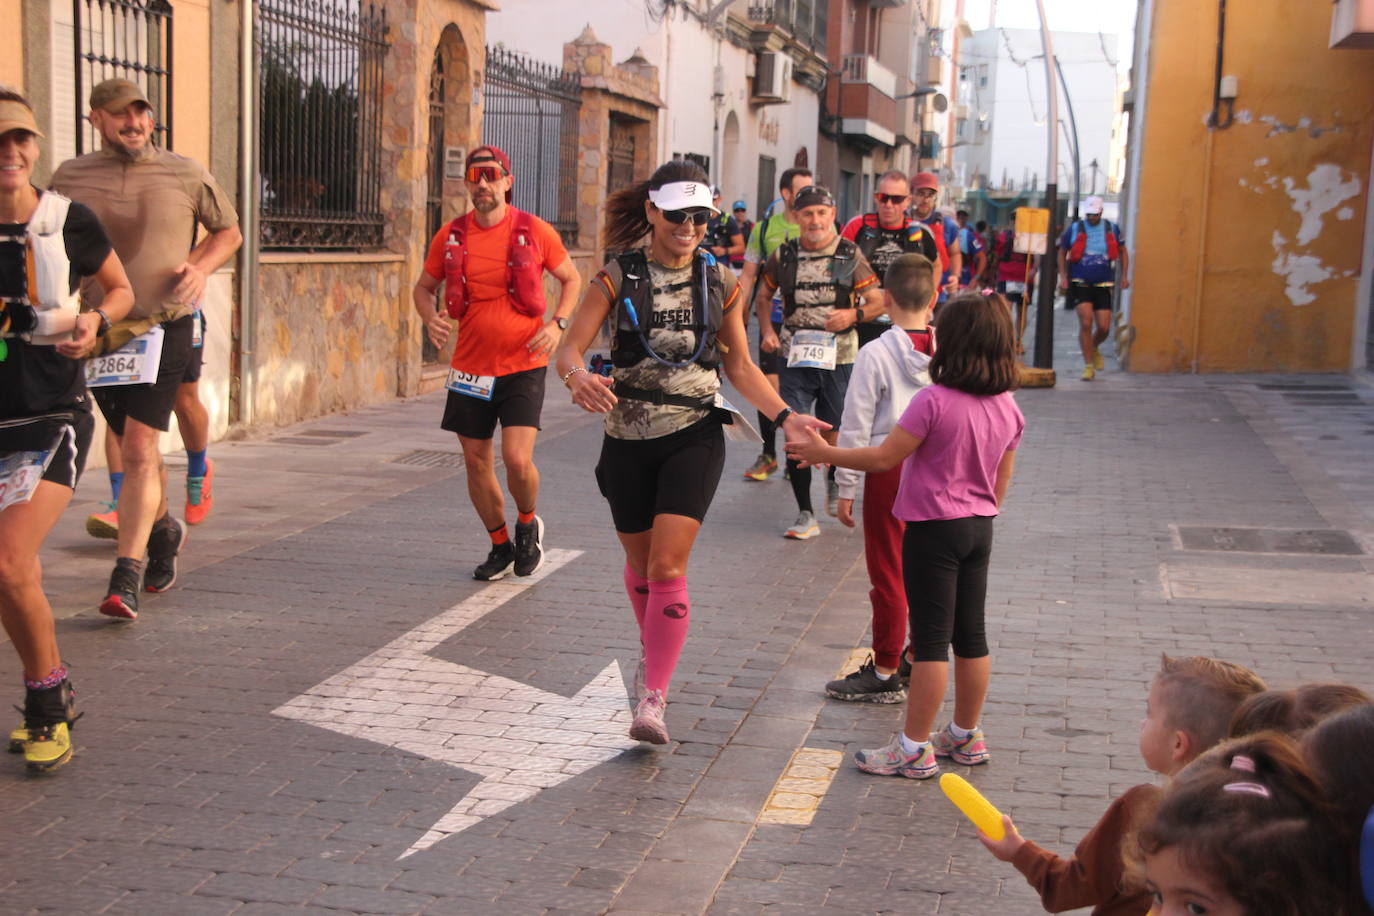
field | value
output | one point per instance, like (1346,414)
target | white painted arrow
(518,738)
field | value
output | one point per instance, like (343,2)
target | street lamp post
(1044,311)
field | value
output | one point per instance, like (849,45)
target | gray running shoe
(648,723)
(803,528)
(832,498)
(893,761)
(864,686)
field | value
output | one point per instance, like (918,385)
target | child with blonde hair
(1189,707)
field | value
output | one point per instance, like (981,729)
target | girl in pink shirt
(957,443)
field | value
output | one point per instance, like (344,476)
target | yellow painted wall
(12,43)
(1266,280)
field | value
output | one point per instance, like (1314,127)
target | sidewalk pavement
(333,581)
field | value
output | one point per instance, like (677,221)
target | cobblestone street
(326,714)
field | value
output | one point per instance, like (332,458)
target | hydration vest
(937,231)
(1080,242)
(47,268)
(524,267)
(871,233)
(842,264)
(627,345)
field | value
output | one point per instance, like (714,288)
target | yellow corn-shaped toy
(975,807)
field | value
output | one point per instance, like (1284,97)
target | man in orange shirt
(491,261)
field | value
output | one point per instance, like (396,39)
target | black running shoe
(864,686)
(164,543)
(121,599)
(529,547)
(497,564)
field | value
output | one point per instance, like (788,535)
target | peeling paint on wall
(1325,191)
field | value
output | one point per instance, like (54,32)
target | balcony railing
(864,68)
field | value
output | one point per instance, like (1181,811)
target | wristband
(104,321)
(571,372)
(782,416)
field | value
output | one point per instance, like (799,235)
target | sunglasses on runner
(698,217)
(488,173)
(893,198)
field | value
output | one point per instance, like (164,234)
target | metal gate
(129,39)
(620,156)
(434,195)
(531,113)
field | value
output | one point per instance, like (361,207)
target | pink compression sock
(637,587)
(665,630)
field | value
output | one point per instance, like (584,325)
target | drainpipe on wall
(248,214)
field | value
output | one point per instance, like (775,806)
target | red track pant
(883,554)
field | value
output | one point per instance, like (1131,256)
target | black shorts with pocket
(66,433)
(674,474)
(1099,296)
(517,399)
(151,404)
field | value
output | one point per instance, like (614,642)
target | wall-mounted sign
(454,157)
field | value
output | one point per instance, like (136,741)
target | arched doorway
(731,185)
(449,127)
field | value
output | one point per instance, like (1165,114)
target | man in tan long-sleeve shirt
(150,201)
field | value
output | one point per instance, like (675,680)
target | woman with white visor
(675,320)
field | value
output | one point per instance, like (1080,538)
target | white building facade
(1000,134)
(740,81)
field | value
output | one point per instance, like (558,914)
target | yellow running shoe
(763,466)
(104,524)
(1098,363)
(1088,373)
(47,747)
(17,738)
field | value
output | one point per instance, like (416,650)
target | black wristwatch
(859,315)
(561,322)
(104,322)
(782,416)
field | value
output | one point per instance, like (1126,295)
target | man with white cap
(491,261)
(1089,251)
(152,202)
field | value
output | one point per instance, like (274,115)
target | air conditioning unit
(773,77)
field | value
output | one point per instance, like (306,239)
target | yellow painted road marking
(851,664)
(799,790)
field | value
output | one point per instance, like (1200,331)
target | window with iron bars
(128,39)
(319,144)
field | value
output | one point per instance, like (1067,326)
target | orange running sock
(525,518)
(499,535)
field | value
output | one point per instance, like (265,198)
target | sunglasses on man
(698,217)
(491,174)
(893,198)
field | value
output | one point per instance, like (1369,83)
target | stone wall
(327,332)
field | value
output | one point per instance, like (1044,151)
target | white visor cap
(1092,205)
(683,195)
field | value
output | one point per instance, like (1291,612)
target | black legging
(945,571)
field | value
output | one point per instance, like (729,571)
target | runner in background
(776,227)
(746,226)
(491,261)
(122,182)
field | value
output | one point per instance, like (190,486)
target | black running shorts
(151,404)
(516,400)
(66,433)
(1099,296)
(770,363)
(674,474)
(197,359)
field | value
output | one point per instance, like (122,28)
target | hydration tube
(701,334)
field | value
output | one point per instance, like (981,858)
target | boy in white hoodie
(887,374)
